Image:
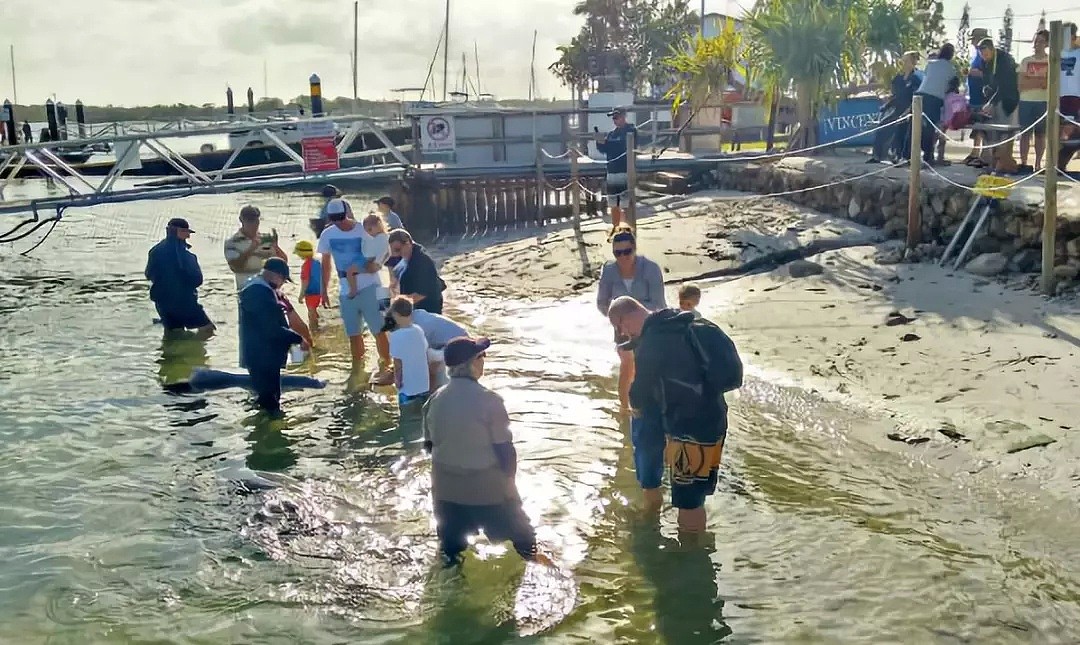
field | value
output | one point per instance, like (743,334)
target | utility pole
(1053,141)
(14,87)
(703,18)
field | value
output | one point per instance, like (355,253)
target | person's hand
(599,137)
(977,73)
(274,235)
(305,345)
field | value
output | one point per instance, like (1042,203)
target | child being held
(376,248)
(310,281)
(690,298)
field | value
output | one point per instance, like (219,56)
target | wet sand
(966,366)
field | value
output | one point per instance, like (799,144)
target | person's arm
(305,278)
(189,264)
(264,312)
(654,277)
(399,374)
(424,282)
(428,445)
(238,259)
(297,324)
(502,441)
(327,268)
(604,146)
(151,265)
(603,290)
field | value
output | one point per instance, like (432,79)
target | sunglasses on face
(623,252)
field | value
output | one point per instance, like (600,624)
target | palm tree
(703,73)
(819,47)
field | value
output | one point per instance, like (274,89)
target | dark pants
(932,107)
(889,141)
(266,382)
(506,521)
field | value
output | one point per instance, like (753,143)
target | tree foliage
(703,72)
(624,39)
(1005,34)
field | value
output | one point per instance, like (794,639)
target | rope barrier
(971,189)
(1015,137)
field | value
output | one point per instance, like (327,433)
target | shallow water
(124,517)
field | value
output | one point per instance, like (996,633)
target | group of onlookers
(999,91)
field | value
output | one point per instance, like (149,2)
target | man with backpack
(684,367)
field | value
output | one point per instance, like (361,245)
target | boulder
(1067,271)
(987,264)
(1025,261)
(804,269)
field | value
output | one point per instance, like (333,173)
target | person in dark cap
(319,222)
(1002,90)
(613,146)
(385,204)
(473,460)
(175,276)
(265,336)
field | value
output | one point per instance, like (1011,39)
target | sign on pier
(318,146)
(437,133)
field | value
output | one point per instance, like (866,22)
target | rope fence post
(914,216)
(631,180)
(575,201)
(1053,141)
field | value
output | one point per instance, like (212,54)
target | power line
(1018,15)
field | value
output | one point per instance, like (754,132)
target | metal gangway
(82,189)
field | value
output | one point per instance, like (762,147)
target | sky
(139,52)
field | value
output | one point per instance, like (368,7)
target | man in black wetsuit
(175,276)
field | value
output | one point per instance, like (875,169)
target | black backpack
(721,367)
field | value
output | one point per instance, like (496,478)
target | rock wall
(1014,231)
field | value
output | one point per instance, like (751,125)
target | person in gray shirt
(629,274)
(939,72)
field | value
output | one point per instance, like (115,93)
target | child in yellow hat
(310,281)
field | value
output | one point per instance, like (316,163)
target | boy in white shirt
(409,349)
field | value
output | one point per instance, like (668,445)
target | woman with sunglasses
(629,274)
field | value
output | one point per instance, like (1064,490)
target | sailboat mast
(476,57)
(266,81)
(14,86)
(532,69)
(356,57)
(446,50)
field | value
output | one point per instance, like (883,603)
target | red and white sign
(318,146)
(437,133)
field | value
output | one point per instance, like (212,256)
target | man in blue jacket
(265,334)
(613,146)
(174,275)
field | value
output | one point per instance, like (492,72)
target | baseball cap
(463,349)
(986,43)
(385,199)
(250,212)
(337,208)
(180,223)
(278,266)
(616,111)
(978,34)
(330,191)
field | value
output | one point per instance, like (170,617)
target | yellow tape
(993,187)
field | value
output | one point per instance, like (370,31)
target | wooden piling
(631,181)
(1053,140)
(575,205)
(914,216)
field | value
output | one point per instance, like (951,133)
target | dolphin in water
(203,379)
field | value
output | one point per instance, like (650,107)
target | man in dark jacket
(418,277)
(890,143)
(174,275)
(265,334)
(1002,90)
(683,368)
(613,146)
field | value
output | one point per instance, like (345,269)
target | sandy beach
(968,368)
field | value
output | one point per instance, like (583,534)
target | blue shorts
(648,442)
(1029,113)
(360,311)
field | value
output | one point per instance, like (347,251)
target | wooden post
(1053,146)
(914,217)
(631,181)
(540,188)
(575,207)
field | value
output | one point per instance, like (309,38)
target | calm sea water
(124,517)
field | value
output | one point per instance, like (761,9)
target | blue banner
(849,117)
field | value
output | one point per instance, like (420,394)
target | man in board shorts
(677,390)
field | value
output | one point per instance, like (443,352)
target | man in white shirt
(342,243)
(438,331)
(409,349)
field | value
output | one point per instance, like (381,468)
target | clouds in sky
(130,52)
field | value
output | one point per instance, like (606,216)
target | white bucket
(297,354)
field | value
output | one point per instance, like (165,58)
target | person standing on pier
(342,244)
(247,250)
(265,334)
(318,223)
(939,72)
(684,368)
(1033,82)
(1003,97)
(889,142)
(613,146)
(175,277)
(27,132)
